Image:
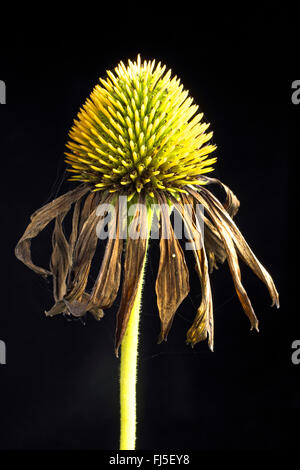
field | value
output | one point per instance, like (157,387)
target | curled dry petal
(215,249)
(214,246)
(235,271)
(78,309)
(75,308)
(244,250)
(60,259)
(231,204)
(88,207)
(107,284)
(74,233)
(172,282)
(83,254)
(70,260)
(203,324)
(233,240)
(40,219)
(133,266)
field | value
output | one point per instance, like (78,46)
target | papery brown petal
(73,238)
(96,311)
(236,275)
(75,221)
(203,324)
(235,271)
(75,308)
(79,309)
(211,258)
(214,246)
(133,266)
(88,207)
(172,282)
(40,219)
(83,254)
(213,243)
(58,307)
(107,284)
(231,204)
(86,239)
(60,259)
(244,251)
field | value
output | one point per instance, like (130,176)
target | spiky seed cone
(139,130)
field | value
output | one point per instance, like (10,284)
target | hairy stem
(128,369)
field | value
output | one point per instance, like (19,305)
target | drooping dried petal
(79,309)
(75,308)
(232,238)
(60,259)
(203,324)
(231,204)
(133,266)
(83,254)
(56,309)
(235,270)
(236,275)
(172,282)
(107,284)
(214,246)
(213,243)
(88,207)
(64,259)
(75,224)
(244,250)
(40,219)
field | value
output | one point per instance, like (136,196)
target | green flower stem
(128,369)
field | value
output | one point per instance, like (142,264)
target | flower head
(139,136)
(139,131)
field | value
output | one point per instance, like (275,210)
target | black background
(59,388)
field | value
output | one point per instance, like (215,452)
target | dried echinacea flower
(140,137)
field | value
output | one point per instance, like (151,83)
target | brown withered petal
(95,310)
(203,324)
(83,254)
(233,239)
(63,263)
(79,235)
(40,219)
(56,309)
(214,246)
(88,207)
(75,222)
(77,309)
(235,269)
(73,238)
(231,204)
(215,249)
(60,259)
(243,248)
(133,265)
(172,282)
(107,284)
